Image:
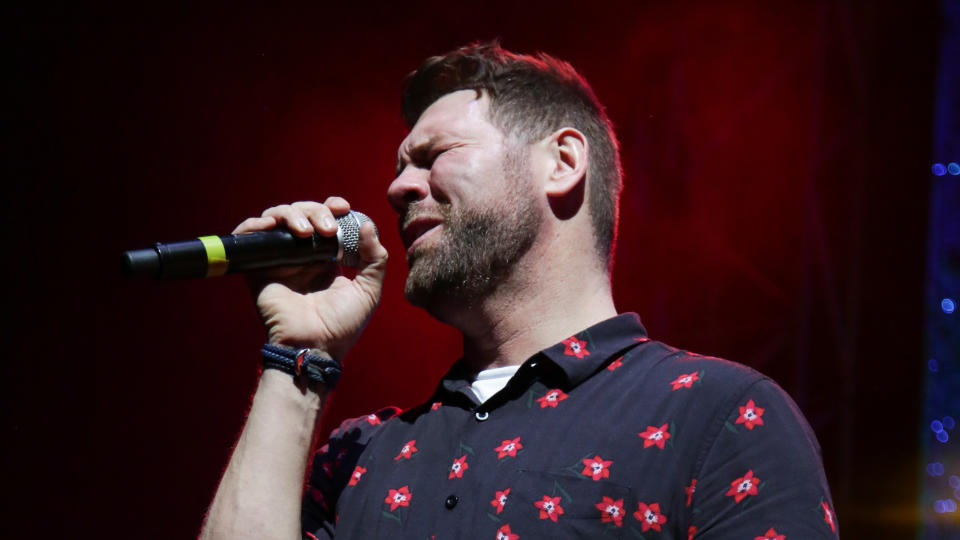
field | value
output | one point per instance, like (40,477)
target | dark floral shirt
(604,435)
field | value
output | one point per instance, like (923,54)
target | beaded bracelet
(306,363)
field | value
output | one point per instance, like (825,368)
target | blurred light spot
(948,422)
(953,168)
(938,468)
(950,505)
(938,169)
(933,365)
(936,426)
(947,305)
(955,481)
(942,436)
(931,470)
(939,507)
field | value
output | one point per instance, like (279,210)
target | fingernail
(328,223)
(303,224)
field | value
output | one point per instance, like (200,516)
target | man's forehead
(447,115)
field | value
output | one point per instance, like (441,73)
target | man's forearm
(259,494)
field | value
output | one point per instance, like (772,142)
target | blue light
(948,422)
(933,365)
(938,169)
(954,481)
(947,305)
(953,168)
(938,468)
(936,426)
(942,436)
(931,470)
(950,504)
(939,507)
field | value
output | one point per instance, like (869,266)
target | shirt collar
(578,356)
(583,353)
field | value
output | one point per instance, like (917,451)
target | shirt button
(481,416)
(451,501)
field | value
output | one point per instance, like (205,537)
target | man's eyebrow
(418,152)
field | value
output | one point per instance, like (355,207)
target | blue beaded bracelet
(302,363)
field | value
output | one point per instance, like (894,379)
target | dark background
(774,211)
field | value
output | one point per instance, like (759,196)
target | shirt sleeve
(762,478)
(333,467)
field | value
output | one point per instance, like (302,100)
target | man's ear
(569,159)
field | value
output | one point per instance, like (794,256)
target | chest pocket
(551,505)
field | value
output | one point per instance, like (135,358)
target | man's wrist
(309,366)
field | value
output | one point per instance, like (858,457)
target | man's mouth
(417,228)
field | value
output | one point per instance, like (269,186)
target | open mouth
(417,228)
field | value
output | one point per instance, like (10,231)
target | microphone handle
(210,256)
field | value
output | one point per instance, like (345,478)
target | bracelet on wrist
(303,364)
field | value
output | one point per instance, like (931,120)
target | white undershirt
(491,381)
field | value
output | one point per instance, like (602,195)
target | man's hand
(313,306)
(309,306)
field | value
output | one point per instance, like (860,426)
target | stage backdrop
(776,159)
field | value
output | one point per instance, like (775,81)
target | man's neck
(520,319)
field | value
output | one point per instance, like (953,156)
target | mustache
(418,210)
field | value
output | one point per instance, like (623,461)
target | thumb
(374,261)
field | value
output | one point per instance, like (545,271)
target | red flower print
(435,405)
(508,448)
(596,468)
(575,347)
(500,499)
(828,516)
(317,496)
(373,419)
(686,380)
(649,516)
(750,415)
(355,476)
(407,450)
(611,510)
(459,465)
(690,532)
(743,486)
(771,535)
(690,489)
(398,497)
(551,398)
(655,436)
(549,507)
(615,364)
(503,533)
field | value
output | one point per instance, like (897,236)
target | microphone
(210,256)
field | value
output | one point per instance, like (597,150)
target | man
(562,418)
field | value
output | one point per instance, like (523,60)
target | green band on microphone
(216,256)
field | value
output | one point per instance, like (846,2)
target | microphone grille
(349,234)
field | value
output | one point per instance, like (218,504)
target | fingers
(255,224)
(302,218)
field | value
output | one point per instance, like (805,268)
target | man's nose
(410,186)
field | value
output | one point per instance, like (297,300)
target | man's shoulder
(361,428)
(662,365)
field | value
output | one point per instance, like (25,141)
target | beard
(477,248)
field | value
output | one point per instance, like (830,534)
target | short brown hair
(530,97)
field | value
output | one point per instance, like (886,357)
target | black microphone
(210,256)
